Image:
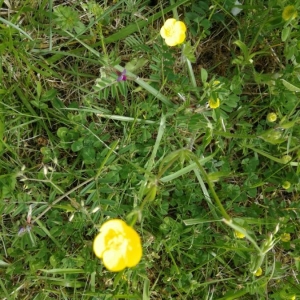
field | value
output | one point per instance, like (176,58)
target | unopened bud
(286,185)
(271,117)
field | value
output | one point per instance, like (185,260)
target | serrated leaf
(188,52)
(66,17)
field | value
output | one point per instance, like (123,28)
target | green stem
(189,64)
(102,39)
(212,190)
(167,167)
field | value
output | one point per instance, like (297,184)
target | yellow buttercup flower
(238,234)
(289,13)
(173,32)
(285,237)
(258,272)
(214,103)
(118,245)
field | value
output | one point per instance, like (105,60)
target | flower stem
(188,62)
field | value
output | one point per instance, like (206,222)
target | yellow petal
(99,245)
(134,250)
(181,37)
(214,103)
(115,224)
(167,29)
(179,26)
(238,234)
(171,41)
(113,260)
(108,231)
(163,32)
(170,23)
(258,272)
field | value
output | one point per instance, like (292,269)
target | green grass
(79,147)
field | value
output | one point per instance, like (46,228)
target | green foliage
(68,19)
(80,144)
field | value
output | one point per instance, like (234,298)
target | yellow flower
(286,237)
(214,103)
(258,272)
(118,244)
(289,13)
(271,117)
(173,32)
(293,297)
(238,234)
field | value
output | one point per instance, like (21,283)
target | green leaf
(66,18)
(63,271)
(188,52)
(244,49)
(1,131)
(136,64)
(290,86)
(3,263)
(62,132)
(39,104)
(88,155)
(204,75)
(146,289)
(285,33)
(77,145)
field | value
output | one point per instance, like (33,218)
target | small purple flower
(122,76)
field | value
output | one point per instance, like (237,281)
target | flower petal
(113,260)
(115,224)
(179,26)
(108,231)
(134,248)
(170,23)
(181,38)
(99,245)
(171,41)
(214,103)
(164,32)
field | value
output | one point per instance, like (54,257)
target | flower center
(169,31)
(118,243)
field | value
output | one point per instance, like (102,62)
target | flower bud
(258,272)
(285,159)
(286,185)
(271,117)
(285,237)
